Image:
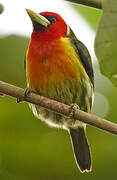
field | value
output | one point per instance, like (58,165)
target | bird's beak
(38,18)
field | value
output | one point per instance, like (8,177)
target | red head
(48,24)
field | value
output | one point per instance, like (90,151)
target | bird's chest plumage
(54,70)
(51,63)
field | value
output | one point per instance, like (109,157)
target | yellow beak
(38,18)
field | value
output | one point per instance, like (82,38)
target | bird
(59,67)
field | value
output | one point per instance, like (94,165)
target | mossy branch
(58,107)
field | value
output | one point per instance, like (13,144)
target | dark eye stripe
(52,19)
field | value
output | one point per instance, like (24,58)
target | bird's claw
(74,107)
(26,92)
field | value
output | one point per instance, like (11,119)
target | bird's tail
(81,149)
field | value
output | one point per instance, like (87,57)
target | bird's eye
(53,20)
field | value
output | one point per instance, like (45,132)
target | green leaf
(106,41)
(91,15)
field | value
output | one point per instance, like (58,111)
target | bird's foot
(26,92)
(74,107)
(71,121)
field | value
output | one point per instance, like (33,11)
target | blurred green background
(29,149)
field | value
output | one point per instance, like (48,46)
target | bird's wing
(85,57)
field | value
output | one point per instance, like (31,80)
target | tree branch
(58,107)
(91,3)
(1,8)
